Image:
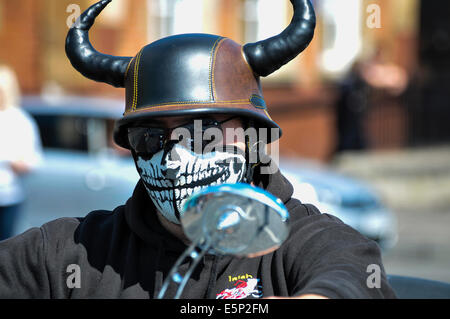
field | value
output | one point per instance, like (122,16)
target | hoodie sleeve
(329,258)
(23,272)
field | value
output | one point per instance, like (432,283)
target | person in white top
(20,150)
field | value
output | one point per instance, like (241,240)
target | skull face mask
(175,173)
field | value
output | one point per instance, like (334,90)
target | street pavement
(415,184)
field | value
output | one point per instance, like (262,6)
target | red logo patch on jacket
(242,289)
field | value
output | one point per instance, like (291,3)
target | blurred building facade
(301,96)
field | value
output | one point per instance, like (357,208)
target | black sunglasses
(150,140)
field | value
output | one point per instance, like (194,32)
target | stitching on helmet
(197,102)
(245,60)
(267,114)
(128,68)
(212,69)
(188,103)
(136,78)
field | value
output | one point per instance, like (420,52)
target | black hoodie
(126,253)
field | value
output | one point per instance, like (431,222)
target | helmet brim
(261,120)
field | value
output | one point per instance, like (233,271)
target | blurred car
(351,200)
(83,170)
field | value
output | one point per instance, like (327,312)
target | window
(1,15)
(342,34)
(63,132)
(250,18)
(76,133)
(169,17)
(263,19)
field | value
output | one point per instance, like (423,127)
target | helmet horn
(267,56)
(85,59)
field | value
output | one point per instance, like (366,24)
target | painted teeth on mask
(185,180)
(190,167)
(167,183)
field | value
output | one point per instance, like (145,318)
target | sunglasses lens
(145,140)
(203,134)
(150,140)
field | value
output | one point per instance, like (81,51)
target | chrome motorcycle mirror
(229,219)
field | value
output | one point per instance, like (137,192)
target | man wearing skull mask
(176,88)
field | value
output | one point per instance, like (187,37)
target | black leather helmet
(191,73)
